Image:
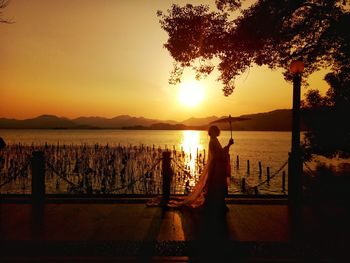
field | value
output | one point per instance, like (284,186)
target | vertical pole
(243,185)
(268,175)
(231,129)
(38,177)
(166,174)
(295,169)
(237,161)
(260,170)
(248,167)
(283,181)
(38,193)
(295,166)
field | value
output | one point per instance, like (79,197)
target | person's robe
(211,188)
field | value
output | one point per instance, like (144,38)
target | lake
(269,148)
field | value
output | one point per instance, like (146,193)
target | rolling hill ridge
(277,120)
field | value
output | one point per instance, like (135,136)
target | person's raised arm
(227,147)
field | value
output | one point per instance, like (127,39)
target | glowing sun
(191,93)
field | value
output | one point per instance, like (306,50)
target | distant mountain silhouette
(40,122)
(163,126)
(199,121)
(117,122)
(277,120)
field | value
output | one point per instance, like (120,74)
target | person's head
(213,131)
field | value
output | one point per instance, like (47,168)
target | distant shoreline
(140,129)
(277,120)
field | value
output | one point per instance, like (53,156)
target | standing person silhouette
(210,191)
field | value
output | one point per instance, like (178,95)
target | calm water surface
(269,148)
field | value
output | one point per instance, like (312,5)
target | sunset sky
(106,58)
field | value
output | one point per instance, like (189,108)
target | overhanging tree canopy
(270,32)
(326,116)
(3,4)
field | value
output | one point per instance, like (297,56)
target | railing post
(204,157)
(283,181)
(166,174)
(243,188)
(38,177)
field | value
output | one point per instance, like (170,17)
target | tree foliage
(327,118)
(3,4)
(270,32)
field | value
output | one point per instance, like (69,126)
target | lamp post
(295,167)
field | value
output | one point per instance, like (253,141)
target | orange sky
(105,58)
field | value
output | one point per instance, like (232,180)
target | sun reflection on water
(192,147)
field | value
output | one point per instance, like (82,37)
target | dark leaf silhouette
(3,5)
(271,33)
(326,118)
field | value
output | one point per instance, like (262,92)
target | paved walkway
(62,232)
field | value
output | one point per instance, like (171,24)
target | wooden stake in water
(260,169)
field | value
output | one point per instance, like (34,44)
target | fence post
(166,174)
(243,188)
(204,157)
(268,174)
(248,167)
(283,181)
(38,177)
